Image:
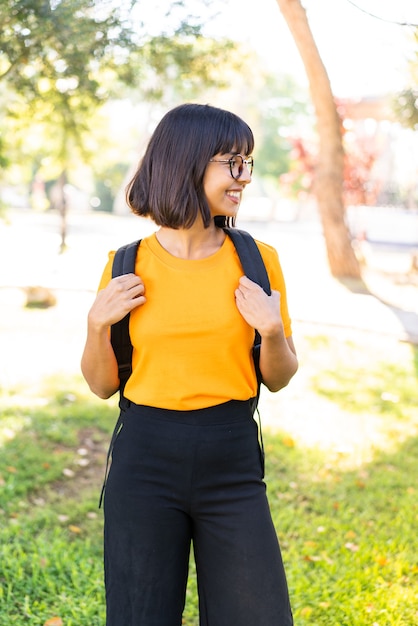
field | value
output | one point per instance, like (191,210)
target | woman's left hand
(257,308)
(278,361)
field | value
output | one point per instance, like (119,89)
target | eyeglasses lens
(237,166)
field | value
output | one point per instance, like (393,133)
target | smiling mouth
(234,194)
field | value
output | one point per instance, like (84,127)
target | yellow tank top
(191,346)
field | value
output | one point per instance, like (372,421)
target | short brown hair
(168,185)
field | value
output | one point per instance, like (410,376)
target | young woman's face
(223,192)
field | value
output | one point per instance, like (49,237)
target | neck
(196,242)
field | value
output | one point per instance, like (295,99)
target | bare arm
(278,361)
(98,363)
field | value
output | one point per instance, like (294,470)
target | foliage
(51,56)
(360,183)
(178,67)
(405,105)
(60,42)
(47,132)
(59,61)
(281,107)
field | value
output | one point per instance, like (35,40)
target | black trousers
(178,478)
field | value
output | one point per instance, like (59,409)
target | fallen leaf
(11,469)
(352,546)
(54,621)
(311,558)
(74,529)
(350,534)
(306,611)
(288,441)
(381,560)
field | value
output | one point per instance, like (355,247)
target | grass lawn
(347,529)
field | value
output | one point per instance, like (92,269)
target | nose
(245,176)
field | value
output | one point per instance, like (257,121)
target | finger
(137,301)
(245,282)
(239,294)
(127,280)
(128,294)
(136,291)
(128,291)
(129,285)
(248,286)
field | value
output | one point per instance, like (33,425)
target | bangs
(234,136)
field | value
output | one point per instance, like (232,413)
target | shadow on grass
(58,444)
(386,388)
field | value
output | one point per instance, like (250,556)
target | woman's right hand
(121,295)
(98,363)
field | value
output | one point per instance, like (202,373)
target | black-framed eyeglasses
(236,164)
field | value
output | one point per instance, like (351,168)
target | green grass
(50,532)
(348,537)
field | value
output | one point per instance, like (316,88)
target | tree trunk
(328,183)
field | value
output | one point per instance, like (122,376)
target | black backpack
(124,263)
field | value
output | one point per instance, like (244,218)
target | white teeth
(235,194)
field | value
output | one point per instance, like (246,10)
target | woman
(186,466)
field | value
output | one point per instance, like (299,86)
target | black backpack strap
(250,257)
(123,263)
(254,268)
(125,259)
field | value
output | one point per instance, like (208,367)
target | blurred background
(330,89)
